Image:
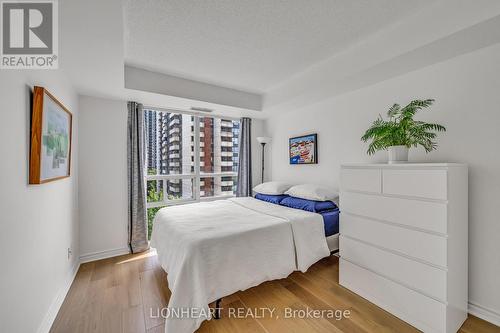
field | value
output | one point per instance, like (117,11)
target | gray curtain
(137,216)
(244,188)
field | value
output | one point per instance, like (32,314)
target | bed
(331,226)
(213,249)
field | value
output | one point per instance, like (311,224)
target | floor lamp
(263,140)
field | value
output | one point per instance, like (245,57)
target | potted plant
(401,131)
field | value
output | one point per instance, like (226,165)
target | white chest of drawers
(403,240)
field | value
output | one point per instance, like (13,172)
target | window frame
(197,174)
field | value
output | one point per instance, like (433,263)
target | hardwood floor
(120,294)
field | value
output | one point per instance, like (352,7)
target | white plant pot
(398,154)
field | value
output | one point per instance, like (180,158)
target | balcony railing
(166,184)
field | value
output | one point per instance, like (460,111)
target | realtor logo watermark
(29,36)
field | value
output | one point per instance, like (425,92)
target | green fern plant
(402,130)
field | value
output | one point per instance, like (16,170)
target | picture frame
(51,136)
(303,149)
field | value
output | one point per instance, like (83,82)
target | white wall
(38,222)
(103,177)
(467,96)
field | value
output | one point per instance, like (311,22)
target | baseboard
(104,254)
(50,316)
(485,313)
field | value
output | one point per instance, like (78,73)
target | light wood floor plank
(133,320)
(117,295)
(157,329)
(153,299)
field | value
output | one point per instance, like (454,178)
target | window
(189,158)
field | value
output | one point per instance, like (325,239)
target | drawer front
(417,183)
(423,312)
(427,279)
(425,215)
(366,180)
(421,245)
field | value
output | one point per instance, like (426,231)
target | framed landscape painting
(50,156)
(303,149)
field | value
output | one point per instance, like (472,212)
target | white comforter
(213,249)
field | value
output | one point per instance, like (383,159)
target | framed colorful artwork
(50,156)
(303,149)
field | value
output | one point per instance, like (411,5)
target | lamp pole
(263,140)
(263,145)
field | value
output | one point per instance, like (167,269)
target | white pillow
(272,188)
(312,192)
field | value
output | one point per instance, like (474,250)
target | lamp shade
(263,139)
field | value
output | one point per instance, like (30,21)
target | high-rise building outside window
(189,158)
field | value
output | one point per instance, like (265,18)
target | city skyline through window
(189,158)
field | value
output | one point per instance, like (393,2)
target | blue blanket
(331,221)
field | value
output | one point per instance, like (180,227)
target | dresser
(403,240)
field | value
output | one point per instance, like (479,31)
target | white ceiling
(252,45)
